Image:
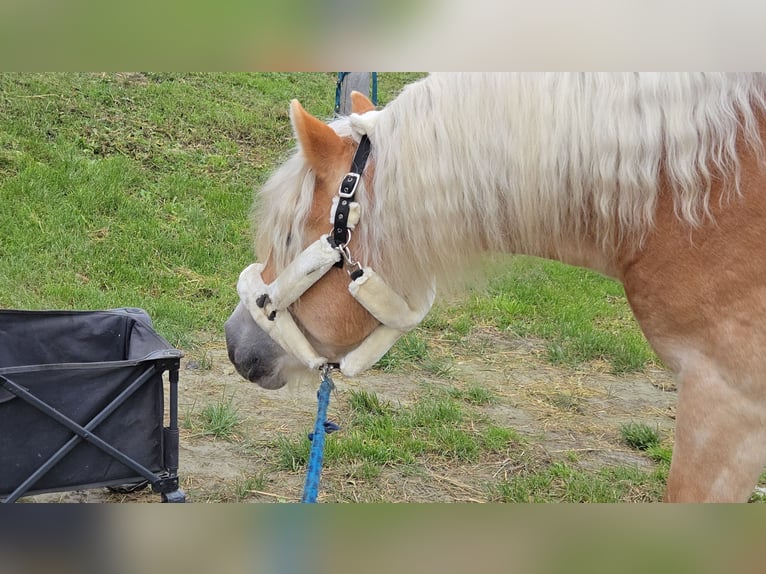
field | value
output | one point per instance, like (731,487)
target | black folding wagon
(82,403)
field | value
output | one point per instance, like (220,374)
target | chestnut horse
(656,180)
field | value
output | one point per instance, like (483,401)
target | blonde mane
(528,163)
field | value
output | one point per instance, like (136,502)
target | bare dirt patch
(563,412)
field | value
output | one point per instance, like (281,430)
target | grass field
(135,189)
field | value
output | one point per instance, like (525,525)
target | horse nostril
(253,353)
(253,375)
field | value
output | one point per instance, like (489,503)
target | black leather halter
(341,234)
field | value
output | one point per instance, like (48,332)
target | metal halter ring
(348,239)
(350,261)
(346,253)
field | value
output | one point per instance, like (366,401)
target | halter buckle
(348,184)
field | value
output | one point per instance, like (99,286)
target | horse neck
(441,201)
(531,164)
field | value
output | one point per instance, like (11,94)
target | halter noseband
(268,304)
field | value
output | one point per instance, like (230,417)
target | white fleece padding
(282,329)
(295,342)
(302,273)
(391,310)
(384,304)
(354,212)
(250,285)
(369,351)
(364,123)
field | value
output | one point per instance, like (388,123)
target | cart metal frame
(143,374)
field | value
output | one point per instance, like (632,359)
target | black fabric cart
(82,403)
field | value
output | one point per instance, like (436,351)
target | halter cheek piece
(268,303)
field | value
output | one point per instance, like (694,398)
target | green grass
(474,395)
(220,419)
(244,489)
(409,349)
(640,436)
(378,434)
(497,439)
(412,351)
(438,429)
(760,495)
(441,427)
(562,482)
(660,453)
(363,402)
(580,315)
(648,440)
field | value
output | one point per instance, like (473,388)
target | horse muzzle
(268,306)
(255,355)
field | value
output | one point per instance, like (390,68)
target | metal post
(353,82)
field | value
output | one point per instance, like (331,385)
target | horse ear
(319,142)
(360,103)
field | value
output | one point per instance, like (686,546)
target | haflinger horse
(657,180)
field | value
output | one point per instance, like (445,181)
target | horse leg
(720,439)
(716,351)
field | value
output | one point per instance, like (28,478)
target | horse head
(296,210)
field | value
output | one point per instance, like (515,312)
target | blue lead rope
(321,427)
